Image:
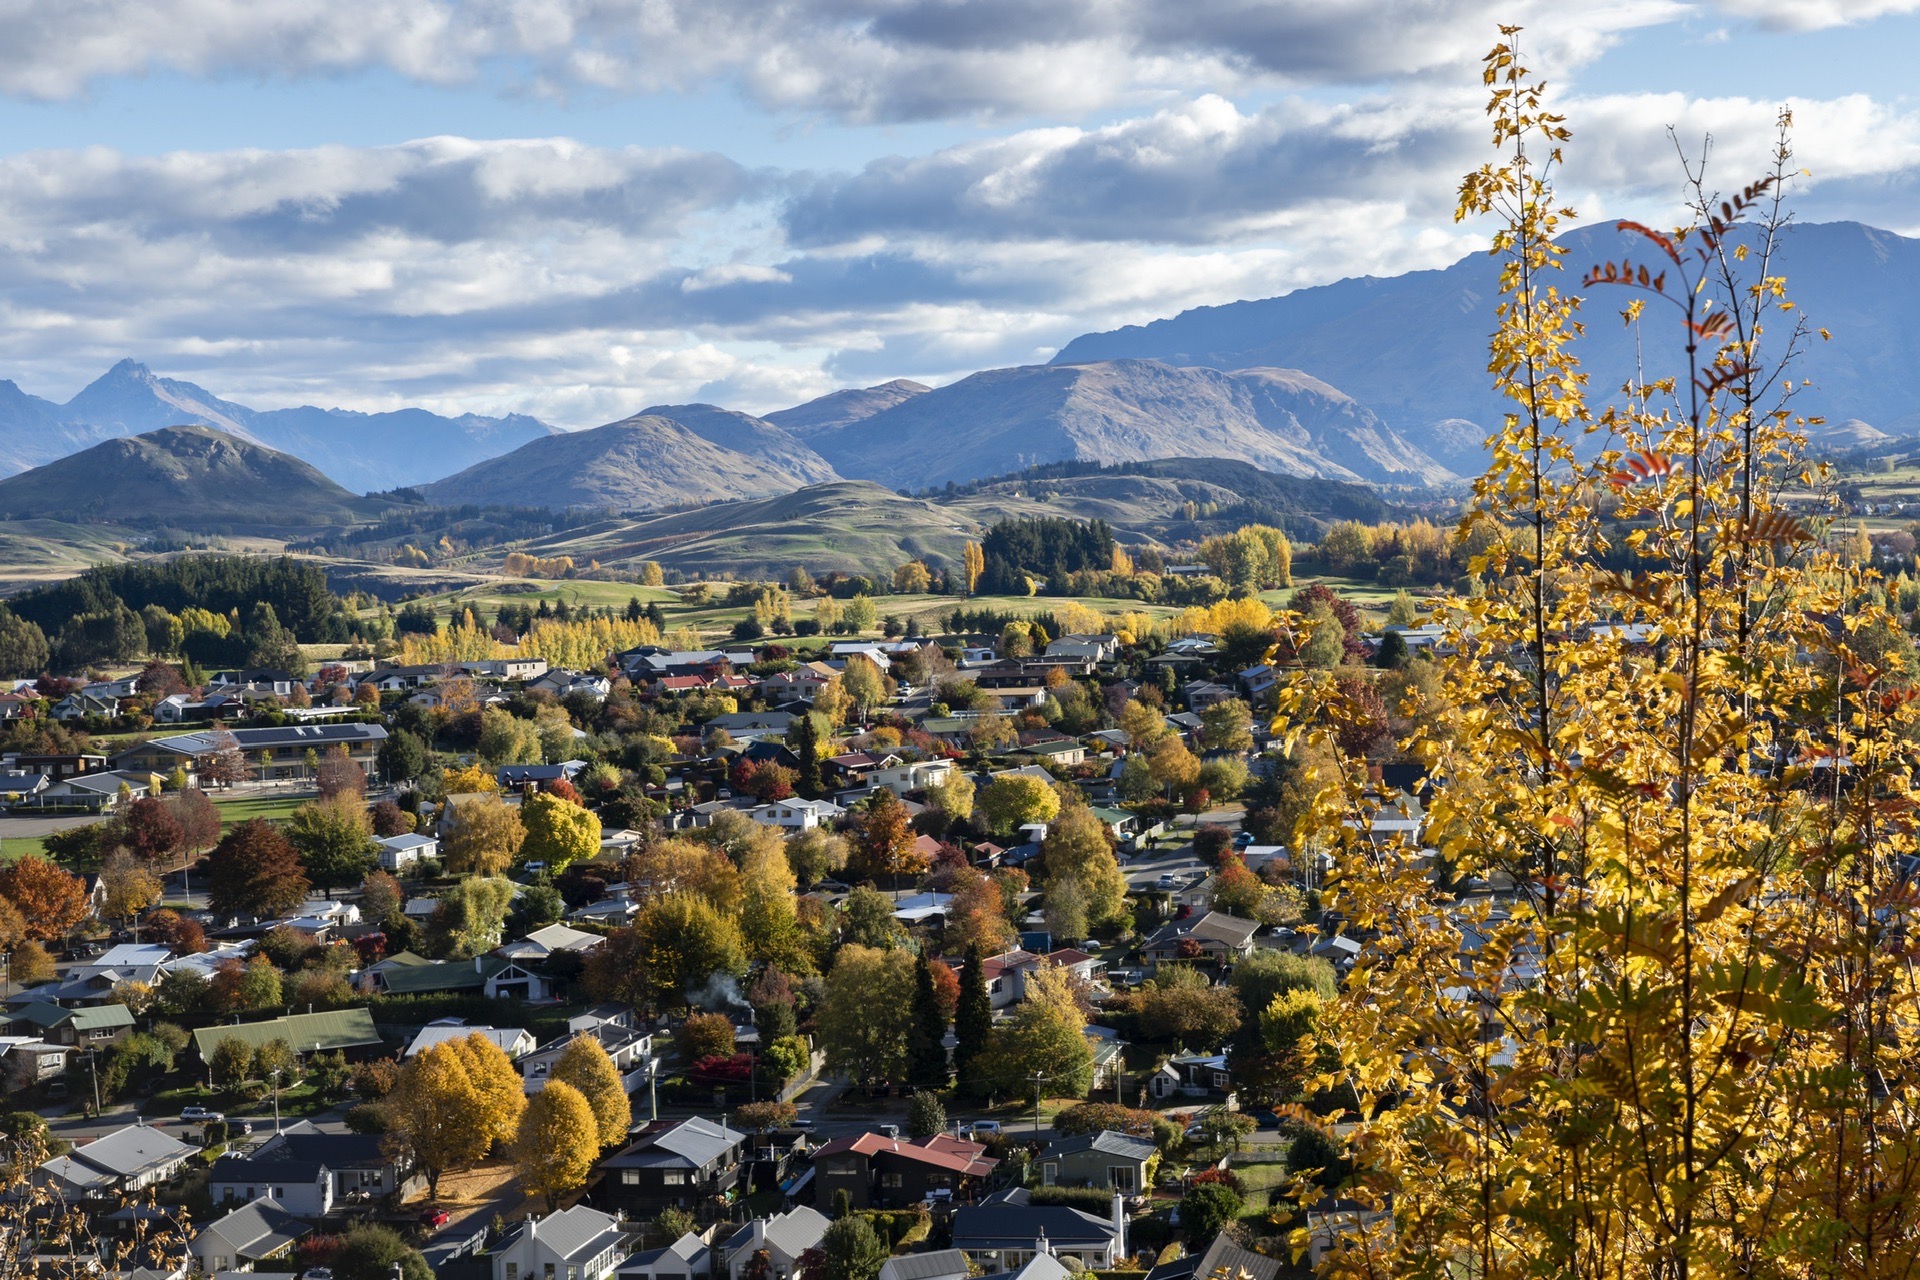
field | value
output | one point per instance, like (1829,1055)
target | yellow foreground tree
(1679,1039)
(557,1142)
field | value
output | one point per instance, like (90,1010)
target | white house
(397,853)
(515,1042)
(783,1238)
(911,776)
(577,1243)
(797,814)
(256,1232)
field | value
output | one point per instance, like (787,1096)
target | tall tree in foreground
(584,1064)
(1686,1048)
(556,1143)
(255,871)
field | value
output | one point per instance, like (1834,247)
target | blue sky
(575,208)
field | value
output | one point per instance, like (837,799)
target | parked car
(317,1273)
(433,1217)
(200,1115)
(1168,881)
(1242,840)
(1266,1119)
(991,1127)
(891,1130)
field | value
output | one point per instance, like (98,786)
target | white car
(200,1115)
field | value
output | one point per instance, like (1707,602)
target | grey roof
(278,1166)
(937,1265)
(1039,1267)
(793,1232)
(1005,1224)
(579,1232)
(258,1228)
(1106,1142)
(691,1143)
(131,1150)
(1222,1256)
(304,735)
(337,1151)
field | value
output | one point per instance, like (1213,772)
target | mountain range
(362,451)
(1413,347)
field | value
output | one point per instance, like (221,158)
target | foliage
(470,916)
(482,836)
(867,1012)
(1098,1117)
(1079,849)
(556,1143)
(255,871)
(925,1116)
(1207,1207)
(335,838)
(761,1116)
(1181,1006)
(676,947)
(52,902)
(1014,800)
(851,1250)
(434,1108)
(558,833)
(371,1251)
(1042,1038)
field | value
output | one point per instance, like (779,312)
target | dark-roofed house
(1222,1257)
(1005,1231)
(93,1027)
(937,1264)
(578,1243)
(1114,1161)
(685,1163)
(358,1166)
(1215,936)
(874,1169)
(687,1258)
(783,1238)
(303,1188)
(254,1233)
(279,753)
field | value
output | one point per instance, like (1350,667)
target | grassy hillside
(37,551)
(848,525)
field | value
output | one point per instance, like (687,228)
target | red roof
(676,684)
(1069,955)
(940,1151)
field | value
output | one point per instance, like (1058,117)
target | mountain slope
(364,451)
(755,437)
(643,462)
(1003,420)
(191,477)
(847,525)
(838,408)
(1413,347)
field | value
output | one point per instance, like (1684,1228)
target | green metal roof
(304,1032)
(451,975)
(103,1017)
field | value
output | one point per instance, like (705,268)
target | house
(254,1233)
(1214,936)
(1192,1076)
(15,706)
(913,775)
(549,941)
(940,1264)
(687,1258)
(360,1165)
(337,1029)
(92,1027)
(28,1060)
(781,1238)
(1112,1161)
(797,814)
(1005,1231)
(578,1243)
(1062,753)
(61,765)
(874,1169)
(740,723)
(491,975)
(304,1188)
(17,785)
(1222,1258)
(919,908)
(1096,649)
(674,1162)
(80,705)
(801,683)
(272,754)
(630,1047)
(126,1160)
(1202,694)
(532,776)
(397,853)
(515,1042)
(98,792)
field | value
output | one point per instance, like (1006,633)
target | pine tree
(806,745)
(926,1055)
(973,1018)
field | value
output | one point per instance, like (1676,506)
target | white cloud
(1812,15)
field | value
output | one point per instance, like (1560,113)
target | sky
(577,208)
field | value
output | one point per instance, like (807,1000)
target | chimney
(1119,1226)
(533,1226)
(1040,1245)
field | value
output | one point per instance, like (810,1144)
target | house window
(279,1193)
(549,1271)
(891,1180)
(673,1178)
(513,1271)
(573,1273)
(1049,1174)
(1120,1178)
(629,1177)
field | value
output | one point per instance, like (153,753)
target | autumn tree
(867,1013)
(338,775)
(1013,800)
(255,871)
(885,839)
(973,563)
(497,1086)
(1079,851)
(676,947)
(1042,1043)
(180,934)
(50,901)
(199,818)
(153,830)
(483,835)
(1227,726)
(584,1064)
(434,1110)
(222,764)
(556,1143)
(470,916)
(128,885)
(558,832)
(866,687)
(769,916)
(335,838)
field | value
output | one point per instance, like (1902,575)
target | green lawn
(486,600)
(239,809)
(12,847)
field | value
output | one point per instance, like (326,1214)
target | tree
(762,1116)
(1227,726)
(1172,766)
(885,839)
(222,765)
(238,988)
(584,1064)
(381,897)
(403,756)
(232,1062)
(153,830)
(972,563)
(1078,849)
(1181,1006)
(473,779)
(926,1052)
(706,1035)
(852,1250)
(199,818)
(911,578)
(925,1116)
(470,917)
(255,871)
(335,838)
(482,835)
(861,614)
(864,684)
(1044,1037)
(24,651)
(1207,1207)
(539,905)
(389,819)
(557,1142)
(769,917)
(432,1109)
(558,833)
(1326,643)
(867,1012)
(371,1252)
(52,902)
(29,964)
(338,775)
(866,920)
(1013,800)
(676,947)
(129,887)
(972,1019)
(977,915)
(952,795)
(178,933)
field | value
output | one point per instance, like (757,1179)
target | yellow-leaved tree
(556,1143)
(1649,1011)
(585,1065)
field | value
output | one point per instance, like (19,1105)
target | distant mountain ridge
(1412,348)
(646,462)
(362,451)
(189,476)
(1002,420)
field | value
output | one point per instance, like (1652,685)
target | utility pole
(275,1073)
(93,1066)
(1037,1078)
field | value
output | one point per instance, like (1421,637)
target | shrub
(1098,1117)
(1094,1200)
